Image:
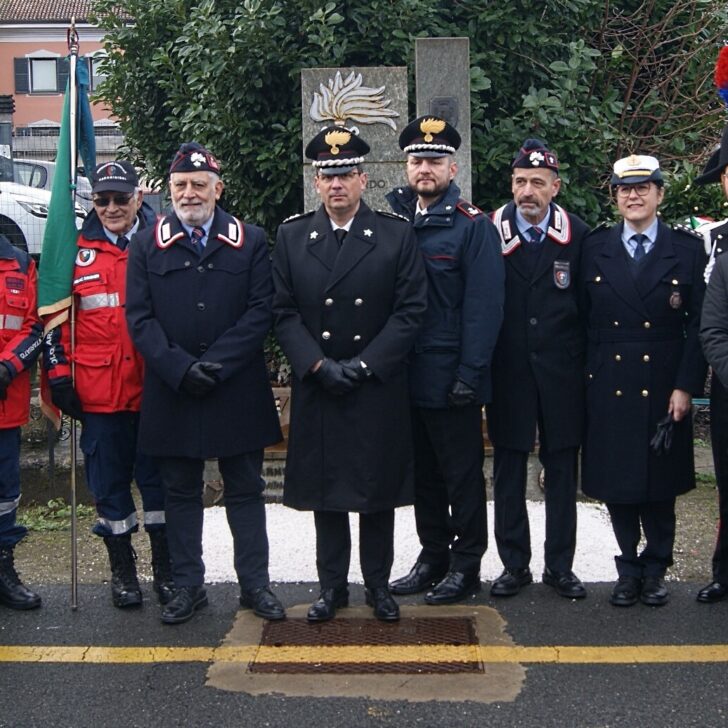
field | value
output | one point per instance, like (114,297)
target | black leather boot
(161,565)
(125,591)
(13,593)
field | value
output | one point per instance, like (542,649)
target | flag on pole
(59,240)
(58,253)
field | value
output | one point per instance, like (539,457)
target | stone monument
(442,78)
(371,100)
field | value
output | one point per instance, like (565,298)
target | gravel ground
(44,556)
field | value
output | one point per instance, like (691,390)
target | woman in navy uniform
(643,290)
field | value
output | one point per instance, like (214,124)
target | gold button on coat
(358,301)
(646,358)
(326,335)
(329,302)
(618,393)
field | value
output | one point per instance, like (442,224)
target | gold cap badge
(336,139)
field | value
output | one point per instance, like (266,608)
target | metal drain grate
(360,632)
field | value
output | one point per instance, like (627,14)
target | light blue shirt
(524,226)
(630,245)
(114,237)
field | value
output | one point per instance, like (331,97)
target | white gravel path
(292,550)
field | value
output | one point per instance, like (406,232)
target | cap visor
(113,185)
(333,171)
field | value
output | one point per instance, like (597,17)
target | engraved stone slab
(374,100)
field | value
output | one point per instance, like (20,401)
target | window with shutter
(22,79)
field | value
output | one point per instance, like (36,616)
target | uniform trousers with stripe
(113,461)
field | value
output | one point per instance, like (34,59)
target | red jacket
(108,369)
(20,330)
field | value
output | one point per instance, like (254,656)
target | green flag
(59,240)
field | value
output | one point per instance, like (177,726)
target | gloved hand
(662,439)
(460,394)
(65,397)
(200,378)
(330,375)
(5,379)
(355,369)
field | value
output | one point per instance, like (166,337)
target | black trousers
(657,520)
(244,507)
(450,510)
(719,439)
(512,531)
(333,547)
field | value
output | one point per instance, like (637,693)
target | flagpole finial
(72,37)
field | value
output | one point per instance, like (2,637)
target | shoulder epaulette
(297,216)
(682,228)
(395,215)
(468,209)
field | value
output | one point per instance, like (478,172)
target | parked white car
(39,173)
(23,215)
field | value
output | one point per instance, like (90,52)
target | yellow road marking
(369,654)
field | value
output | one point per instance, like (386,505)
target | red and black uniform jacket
(20,330)
(109,371)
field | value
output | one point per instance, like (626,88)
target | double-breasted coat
(538,362)
(642,344)
(366,299)
(182,307)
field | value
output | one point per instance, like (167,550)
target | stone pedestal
(442,75)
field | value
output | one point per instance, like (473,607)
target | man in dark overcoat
(643,291)
(538,373)
(450,369)
(198,306)
(714,337)
(350,298)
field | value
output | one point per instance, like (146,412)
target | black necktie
(340,235)
(639,246)
(198,234)
(122,241)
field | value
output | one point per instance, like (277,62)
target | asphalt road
(610,688)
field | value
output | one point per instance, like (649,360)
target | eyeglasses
(119,200)
(642,189)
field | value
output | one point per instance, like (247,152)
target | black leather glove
(330,375)
(5,379)
(200,378)
(662,440)
(355,369)
(460,394)
(65,397)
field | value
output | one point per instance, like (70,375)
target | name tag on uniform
(562,273)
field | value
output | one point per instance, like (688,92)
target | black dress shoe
(185,602)
(455,587)
(422,576)
(385,608)
(566,583)
(324,608)
(263,602)
(510,582)
(626,591)
(654,592)
(714,592)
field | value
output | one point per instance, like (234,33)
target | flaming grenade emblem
(336,139)
(431,126)
(340,100)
